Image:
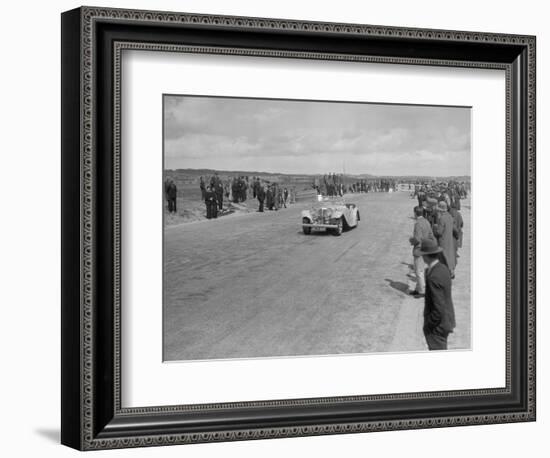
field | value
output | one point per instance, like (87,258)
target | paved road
(254,285)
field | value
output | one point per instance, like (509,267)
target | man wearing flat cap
(439,314)
(422,230)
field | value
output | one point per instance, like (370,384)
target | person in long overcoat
(422,230)
(443,230)
(269,198)
(276,196)
(430,204)
(211,203)
(421,196)
(459,225)
(171,194)
(226,190)
(280,200)
(260,194)
(254,187)
(237,189)
(219,193)
(202,185)
(439,313)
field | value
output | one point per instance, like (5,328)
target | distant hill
(196,173)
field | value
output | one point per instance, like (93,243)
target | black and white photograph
(312,228)
(265,229)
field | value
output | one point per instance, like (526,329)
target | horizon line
(315,174)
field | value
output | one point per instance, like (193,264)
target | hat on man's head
(442,206)
(427,246)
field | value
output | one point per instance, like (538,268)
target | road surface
(253,285)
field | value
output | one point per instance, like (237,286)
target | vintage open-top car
(332,214)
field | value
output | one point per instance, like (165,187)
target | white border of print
(147,381)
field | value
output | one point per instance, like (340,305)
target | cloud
(273,135)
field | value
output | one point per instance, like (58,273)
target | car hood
(320,207)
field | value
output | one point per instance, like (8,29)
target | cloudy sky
(315,137)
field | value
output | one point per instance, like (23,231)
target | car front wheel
(306,229)
(340,228)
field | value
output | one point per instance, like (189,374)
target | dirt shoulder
(190,211)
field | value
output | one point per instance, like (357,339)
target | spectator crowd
(436,240)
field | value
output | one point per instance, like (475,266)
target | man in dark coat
(269,197)
(219,194)
(211,203)
(202,185)
(458,228)
(430,204)
(459,225)
(279,197)
(276,196)
(216,186)
(444,230)
(235,190)
(421,196)
(260,194)
(171,195)
(439,314)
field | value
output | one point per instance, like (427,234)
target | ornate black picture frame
(92,42)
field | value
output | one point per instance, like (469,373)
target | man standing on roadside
(202,185)
(458,227)
(171,195)
(275,196)
(211,203)
(218,189)
(439,314)
(260,194)
(422,230)
(444,230)
(269,196)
